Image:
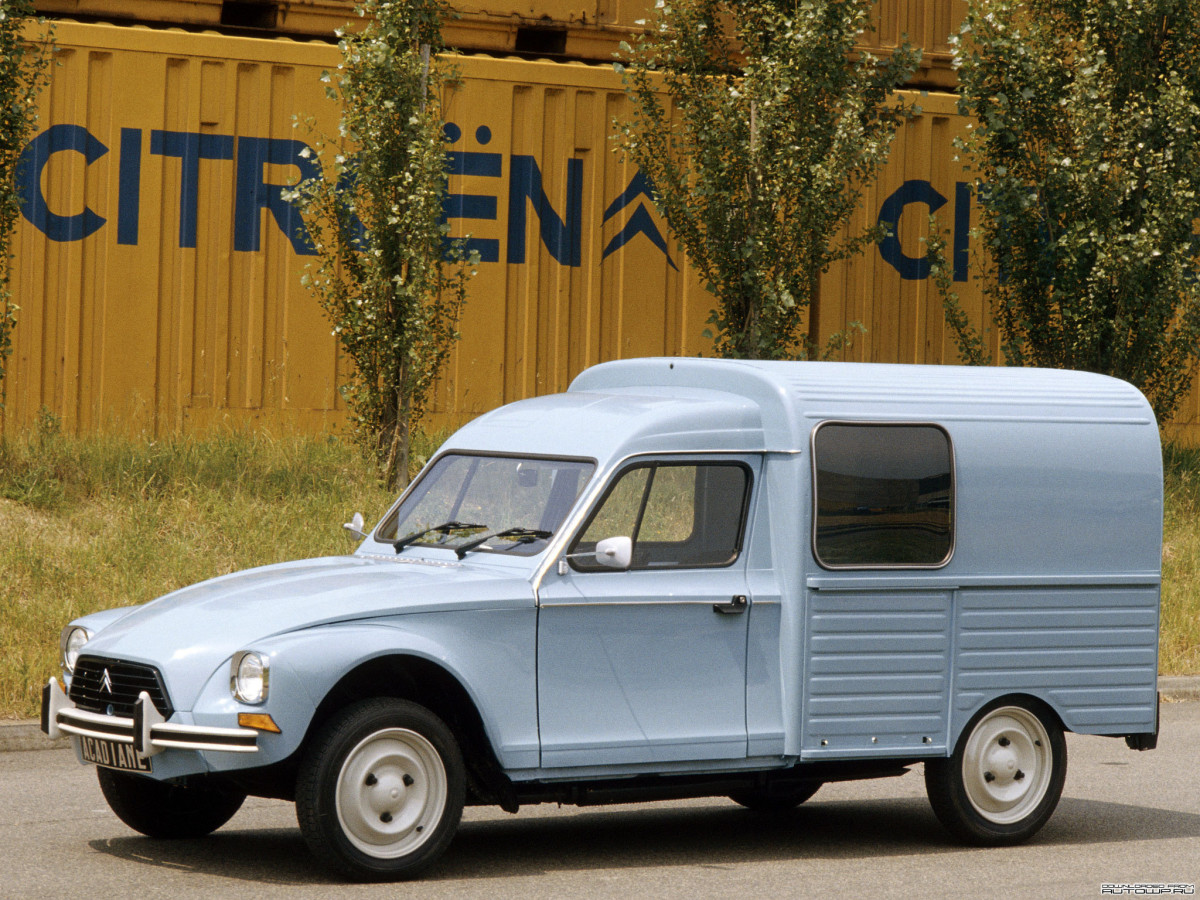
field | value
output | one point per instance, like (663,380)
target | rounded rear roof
(793,395)
(695,405)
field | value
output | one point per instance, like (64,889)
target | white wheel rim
(1007,765)
(391,793)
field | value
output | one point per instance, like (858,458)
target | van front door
(648,664)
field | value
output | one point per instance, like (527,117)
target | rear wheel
(1005,777)
(159,809)
(777,799)
(381,790)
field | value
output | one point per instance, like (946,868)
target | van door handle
(733,607)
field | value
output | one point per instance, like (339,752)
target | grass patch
(89,524)
(93,523)
(1179,644)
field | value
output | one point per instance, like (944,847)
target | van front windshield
(498,504)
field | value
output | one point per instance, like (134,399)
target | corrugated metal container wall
(927,24)
(577,266)
(888,289)
(159,287)
(160,290)
(156,282)
(573,29)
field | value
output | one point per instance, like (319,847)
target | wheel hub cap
(1007,765)
(391,793)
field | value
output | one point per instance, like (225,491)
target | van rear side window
(883,496)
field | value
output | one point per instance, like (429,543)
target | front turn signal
(261,721)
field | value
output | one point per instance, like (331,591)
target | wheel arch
(963,719)
(418,679)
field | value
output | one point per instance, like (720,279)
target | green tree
(773,127)
(1086,159)
(382,275)
(23,74)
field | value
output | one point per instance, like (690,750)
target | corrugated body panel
(877,674)
(1092,652)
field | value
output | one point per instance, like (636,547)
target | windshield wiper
(445,528)
(517,535)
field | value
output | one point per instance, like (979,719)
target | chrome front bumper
(147,732)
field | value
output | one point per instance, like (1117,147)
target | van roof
(793,395)
(691,404)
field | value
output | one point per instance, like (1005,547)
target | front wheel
(1005,777)
(159,809)
(381,790)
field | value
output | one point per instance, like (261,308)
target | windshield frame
(421,485)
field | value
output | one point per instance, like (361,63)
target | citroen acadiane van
(680,578)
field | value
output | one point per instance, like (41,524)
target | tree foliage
(382,276)
(1087,162)
(23,74)
(774,125)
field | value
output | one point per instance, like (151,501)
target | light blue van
(681,578)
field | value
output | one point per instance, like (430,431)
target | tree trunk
(404,430)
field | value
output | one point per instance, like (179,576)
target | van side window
(678,515)
(883,496)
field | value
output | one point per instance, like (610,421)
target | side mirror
(615,552)
(612,553)
(355,526)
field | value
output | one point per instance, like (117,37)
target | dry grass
(1179,645)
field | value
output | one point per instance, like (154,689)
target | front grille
(91,692)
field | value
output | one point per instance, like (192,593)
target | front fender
(491,653)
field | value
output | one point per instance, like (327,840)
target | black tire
(778,800)
(1005,777)
(380,790)
(159,809)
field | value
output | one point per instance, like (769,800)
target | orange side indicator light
(261,721)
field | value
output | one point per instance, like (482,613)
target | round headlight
(248,677)
(71,642)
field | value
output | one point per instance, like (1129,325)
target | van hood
(187,634)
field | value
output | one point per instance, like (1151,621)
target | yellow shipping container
(571,29)
(158,267)
(156,282)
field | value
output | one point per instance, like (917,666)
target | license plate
(113,755)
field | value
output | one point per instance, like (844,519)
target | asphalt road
(1125,818)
